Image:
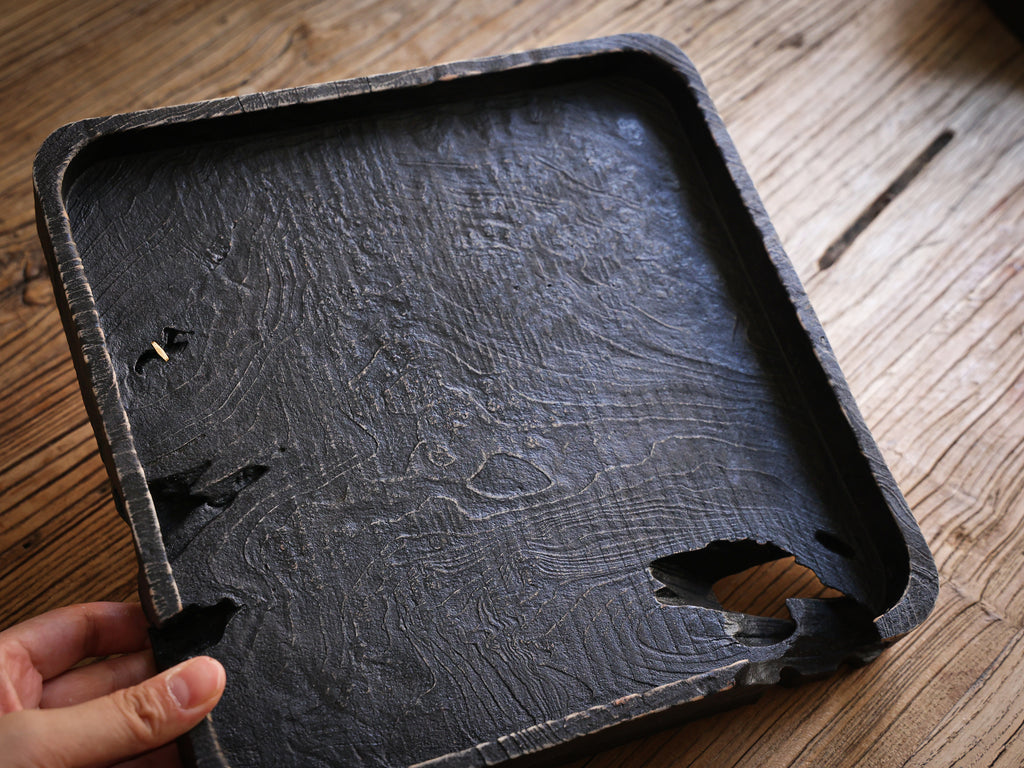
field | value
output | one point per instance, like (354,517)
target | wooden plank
(89,557)
(983,727)
(828,103)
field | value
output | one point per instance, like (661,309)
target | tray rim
(101,391)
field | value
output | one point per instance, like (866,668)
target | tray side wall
(913,601)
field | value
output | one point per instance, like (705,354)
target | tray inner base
(443,382)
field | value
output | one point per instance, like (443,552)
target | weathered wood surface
(828,105)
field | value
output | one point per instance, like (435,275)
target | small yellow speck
(160,351)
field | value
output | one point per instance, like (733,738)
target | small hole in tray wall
(763,589)
(172,342)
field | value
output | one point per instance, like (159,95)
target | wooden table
(887,140)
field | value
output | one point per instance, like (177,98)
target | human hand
(52,716)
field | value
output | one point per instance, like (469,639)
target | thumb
(133,720)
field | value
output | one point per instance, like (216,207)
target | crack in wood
(840,245)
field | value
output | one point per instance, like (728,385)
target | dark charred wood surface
(470,384)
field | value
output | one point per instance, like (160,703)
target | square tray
(479,377)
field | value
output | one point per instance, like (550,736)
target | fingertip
(134,720)
(197,683)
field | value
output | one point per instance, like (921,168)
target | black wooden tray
(479,376)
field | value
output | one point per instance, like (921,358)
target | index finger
(58,640)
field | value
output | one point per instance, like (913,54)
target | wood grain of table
(887,141)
